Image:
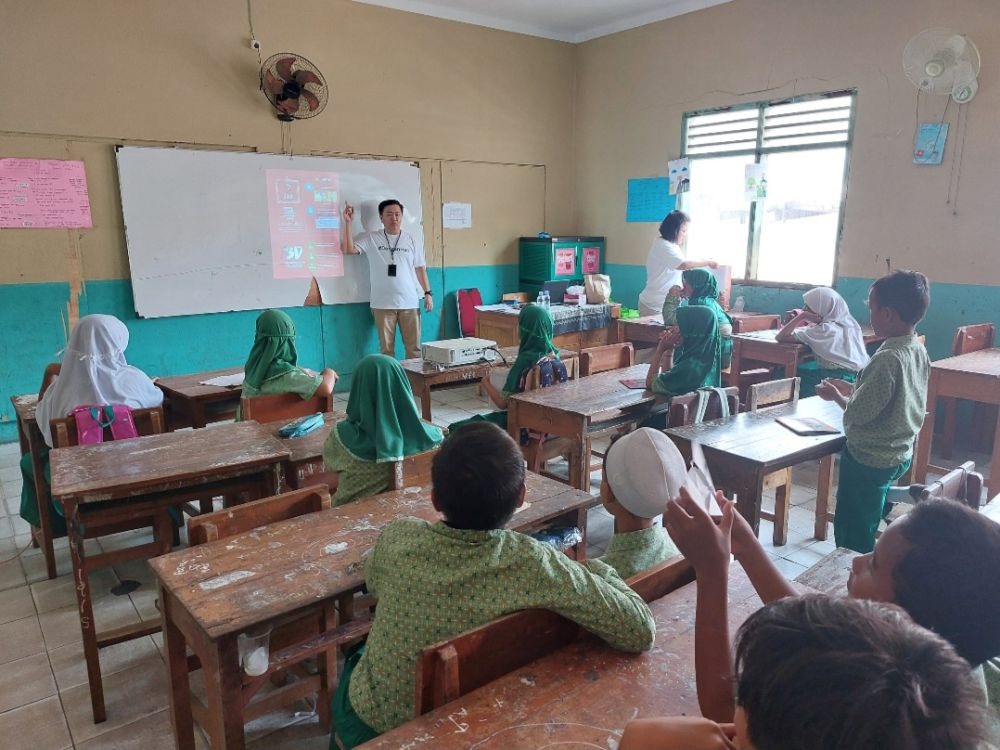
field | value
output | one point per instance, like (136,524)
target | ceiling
(564,20)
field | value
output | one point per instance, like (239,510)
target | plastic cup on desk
(254,650)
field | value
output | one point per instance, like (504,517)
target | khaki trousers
(409,326)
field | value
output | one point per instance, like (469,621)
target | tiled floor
(44,696)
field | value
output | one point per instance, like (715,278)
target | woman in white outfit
(666,261)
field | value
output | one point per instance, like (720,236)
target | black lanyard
(392,250)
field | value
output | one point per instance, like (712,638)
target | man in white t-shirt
(398,273)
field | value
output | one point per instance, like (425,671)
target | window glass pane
(798,237)
(720,214)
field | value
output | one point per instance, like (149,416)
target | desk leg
(177,673)
(88,628)
(748,498)
(824,486)
(225,695)
(927,432)
(993,481)
(579,463)
(44,536)
(425,401)
(198,418)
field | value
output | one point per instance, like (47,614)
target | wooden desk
(974,376)
(107,483)
(31,441)
(830,574)
(305,454)
(426,376)
(577,408)
(761,348)
(188,403)
(582,695)
(502,328)
(745,448)
(645,332)
(211,593)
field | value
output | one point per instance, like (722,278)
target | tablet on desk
(637,384)
(807,426)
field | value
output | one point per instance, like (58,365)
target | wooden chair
(540,448)
(682,407)
(413,471)
(449,669)
(971,338)
(313,633)
(775,393)
(604,358)
(963,484)
(283,406)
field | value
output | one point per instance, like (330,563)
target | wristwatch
(428,293)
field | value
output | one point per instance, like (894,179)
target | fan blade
(311,100)
(272,85)
(284,67)
(307,76)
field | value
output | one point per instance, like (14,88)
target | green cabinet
(558,259)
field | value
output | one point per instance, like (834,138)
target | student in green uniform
(643,471)
(702,288)
(883,411)
(697,352)
(534,326)
(271,367)
(436,580)
(382,426)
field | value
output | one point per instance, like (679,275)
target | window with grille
(791,235)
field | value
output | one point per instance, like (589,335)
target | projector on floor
(451,352)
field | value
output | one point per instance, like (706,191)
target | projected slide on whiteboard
(213,231)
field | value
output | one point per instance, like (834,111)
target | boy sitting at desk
(643,470)
(828,673)
(938,563)
(437,580)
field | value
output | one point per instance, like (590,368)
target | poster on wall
(929,147)
(649,199)
(43,194)
(591,260)
(304,219)
(679,171)
(565,261)
(755,182)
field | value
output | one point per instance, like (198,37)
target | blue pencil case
(302,426)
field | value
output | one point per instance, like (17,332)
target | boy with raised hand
(437,580)
(829,673)
(883,410)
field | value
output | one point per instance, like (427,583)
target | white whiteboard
(198,233)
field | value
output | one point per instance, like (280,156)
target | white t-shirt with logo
(661,273)
(402,291)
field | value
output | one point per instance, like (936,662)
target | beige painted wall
(159,72)
(634,87)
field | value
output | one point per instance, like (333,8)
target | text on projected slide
(304,221)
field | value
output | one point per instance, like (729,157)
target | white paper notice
(225,381)
(457,215)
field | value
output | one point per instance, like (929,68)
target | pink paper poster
(304,216)
(43,194)
(591,260)
(565,261)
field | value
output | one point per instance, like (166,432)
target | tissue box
(574,299)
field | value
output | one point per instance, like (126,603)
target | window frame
(759,151)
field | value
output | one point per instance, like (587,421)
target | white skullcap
(644,470)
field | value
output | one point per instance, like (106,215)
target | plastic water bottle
(540,299)
(739,304)
(546,300)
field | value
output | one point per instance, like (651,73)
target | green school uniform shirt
(886,410)
(434,582)
(358,478)
(637,551)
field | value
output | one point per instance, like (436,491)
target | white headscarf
(645,470)
(94,371)
(837,338)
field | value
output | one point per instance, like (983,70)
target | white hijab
(94,371)
(837,338)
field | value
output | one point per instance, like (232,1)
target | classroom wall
(488,114)
(634,87)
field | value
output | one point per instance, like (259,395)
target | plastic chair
(466,300)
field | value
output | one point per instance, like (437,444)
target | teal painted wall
(338,336)
(952,305)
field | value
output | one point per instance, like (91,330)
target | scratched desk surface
(310,446)
(237,582)
(582,695)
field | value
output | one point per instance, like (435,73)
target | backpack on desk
(91,421)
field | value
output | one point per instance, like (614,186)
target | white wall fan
(943,61)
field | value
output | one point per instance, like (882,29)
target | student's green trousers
(861,492)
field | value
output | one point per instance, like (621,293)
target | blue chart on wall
(649,199)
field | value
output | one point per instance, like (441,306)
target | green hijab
(534,325)
(696,360)
(382,420)
(705,291)
(273,351)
